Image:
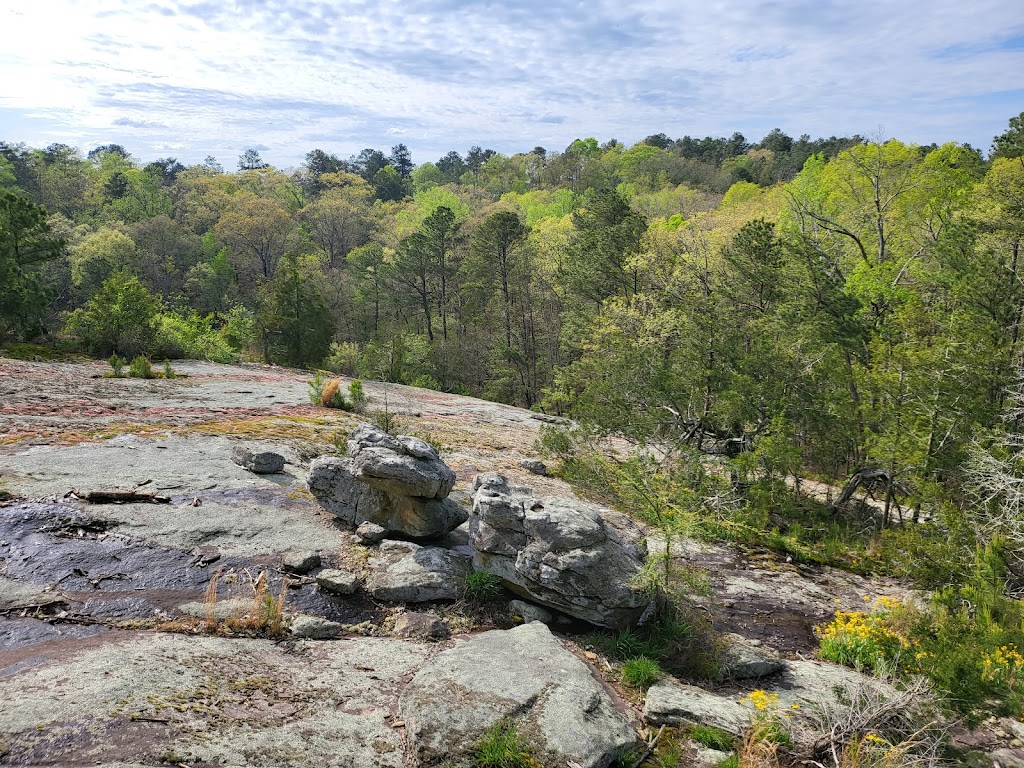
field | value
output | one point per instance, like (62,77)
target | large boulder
(559,553)
(398,483)
(564,715)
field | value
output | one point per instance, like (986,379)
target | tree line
(830,303)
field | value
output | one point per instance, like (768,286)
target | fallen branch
(120,496)
(650,748)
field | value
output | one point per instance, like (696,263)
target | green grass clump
(503,747)
(481,587)
(712,737)
(640,672)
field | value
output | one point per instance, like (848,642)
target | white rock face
(565,716)
(559,553)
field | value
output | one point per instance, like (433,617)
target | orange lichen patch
(311,429)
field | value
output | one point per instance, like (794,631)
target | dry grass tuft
(265,614)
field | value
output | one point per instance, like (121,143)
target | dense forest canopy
(859,301)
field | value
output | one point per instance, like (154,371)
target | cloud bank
(218,76)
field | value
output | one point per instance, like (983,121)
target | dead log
(120,496)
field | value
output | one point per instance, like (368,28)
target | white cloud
(217,76)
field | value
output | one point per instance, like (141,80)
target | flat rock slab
(801,684)
(237,512)
(560,709)
(404,572)
(211,701)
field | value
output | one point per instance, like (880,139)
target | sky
(215,77)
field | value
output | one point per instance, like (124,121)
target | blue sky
(201,77)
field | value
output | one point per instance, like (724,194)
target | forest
(844,312)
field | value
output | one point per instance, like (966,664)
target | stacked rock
(398,483)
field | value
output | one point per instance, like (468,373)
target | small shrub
(141,368)
(503,747)
(640,672)
(117,364)
(863,640)
(326,391)
(357,397)
(481,587)
(168,371)
(387,421)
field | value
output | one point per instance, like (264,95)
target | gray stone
(404,572)
(370,533)
(563,713)
(559,553)
(800,684)
(530,612)
(673,704)
(1007,758)
(537,467)
(337,582)
(258,462)
(404,466)
(300,562)
(706,756)
(421,626)
(744,659)
(314,628)
(221,610)
(398,483)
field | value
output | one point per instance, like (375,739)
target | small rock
(258,462)
(1007,758)
(222,610)
(530,612)
(337,582)
(421,626)
(300,562)
(537,467)
(673,704)
(370,533)
(744,659)
(315,628)
(706,756)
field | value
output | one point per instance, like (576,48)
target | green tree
(495,243)
(121,318)
(25,244)
(296,325)
(1011,142)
